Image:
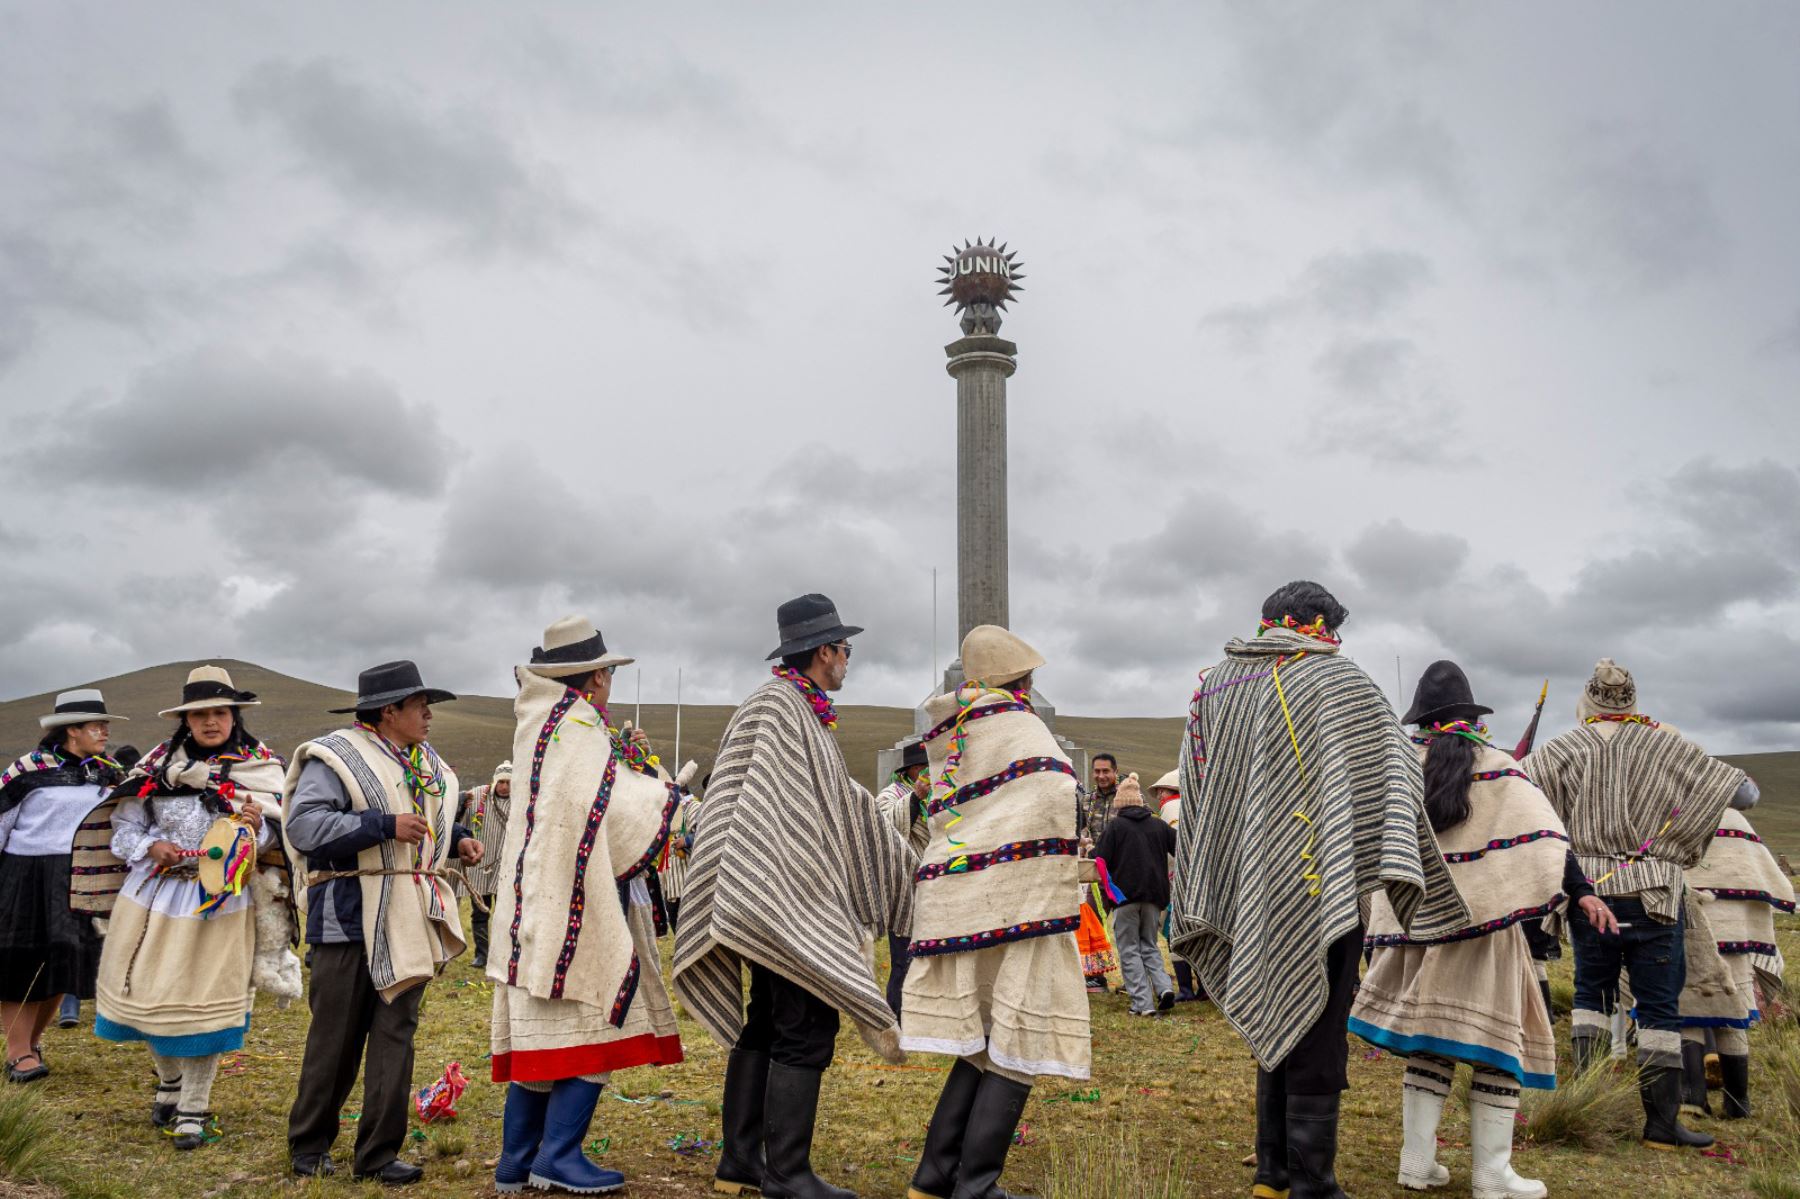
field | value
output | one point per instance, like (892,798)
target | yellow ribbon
(1314,881)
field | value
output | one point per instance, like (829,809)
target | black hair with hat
(1443,693)
(390,683)
(1306,601)
(807,622)
(912,753)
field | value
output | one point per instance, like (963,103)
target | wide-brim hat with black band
(391,683)
(912,753)
(210,687)
(572,646)
(807,623)
(1443,694)
(77,707)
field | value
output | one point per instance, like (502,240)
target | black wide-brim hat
(1443,694)
(912,753)
(391,683)
(807,623)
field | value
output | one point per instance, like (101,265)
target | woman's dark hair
(241,736)
(1305,601)
(801,661)
(54,738)
(1449,772)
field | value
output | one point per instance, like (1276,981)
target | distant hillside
(475,732)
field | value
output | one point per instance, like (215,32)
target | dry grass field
(1168,1112)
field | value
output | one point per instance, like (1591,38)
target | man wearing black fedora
(793,862)
(370,814)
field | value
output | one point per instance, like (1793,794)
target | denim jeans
(1135,929)
(1651,952)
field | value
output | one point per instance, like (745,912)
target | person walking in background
(176,972)
(1165,798)
(1133,854)
(1293,759)
(48,948)
(1641,803)
(369,812)
(1095,810)
(483,812)
(996,978)
(902,802)
(578,990)
(793,869)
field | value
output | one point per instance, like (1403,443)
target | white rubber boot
(1491,1137)
(1419,1169)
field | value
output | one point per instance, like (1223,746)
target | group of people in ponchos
(202,861)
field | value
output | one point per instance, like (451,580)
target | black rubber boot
(1693,1079)
(1549,1008)
(1660,1088)
(1271,1180)
(1587,1051)
(988,1137)
(790,1106)
(1312,1126)
(936,1176)
(1735,1067)
(741,1117)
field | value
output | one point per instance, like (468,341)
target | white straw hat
(77,707)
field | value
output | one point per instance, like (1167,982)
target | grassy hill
(475,732)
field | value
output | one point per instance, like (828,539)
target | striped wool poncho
(1289,826)
(792,863)
(1641,802)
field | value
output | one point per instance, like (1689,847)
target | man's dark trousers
(347,1012)
(789,1023)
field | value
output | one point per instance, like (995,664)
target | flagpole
(934,657)
(637,721)
(678,718)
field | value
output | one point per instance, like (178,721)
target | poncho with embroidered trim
(411,926)
(1471,994)
(1620,786)
(995,967)
(576,992)
(1271,863)
(1746,888)
(792,863)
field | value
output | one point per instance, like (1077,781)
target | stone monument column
(981,364)
(980,279)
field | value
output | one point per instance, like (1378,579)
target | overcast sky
(333,333)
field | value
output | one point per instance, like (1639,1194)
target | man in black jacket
(1134,851)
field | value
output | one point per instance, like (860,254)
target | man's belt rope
(444,872)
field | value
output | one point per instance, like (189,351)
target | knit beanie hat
(1611,690)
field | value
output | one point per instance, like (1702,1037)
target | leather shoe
(395,1174)
(314,1165)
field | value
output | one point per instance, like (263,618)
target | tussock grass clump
(448,1141)
(27,1133)
(1116,1164)
(1590,1110)
(1775,1078)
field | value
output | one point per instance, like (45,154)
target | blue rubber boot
(521,1131)
(560,1164)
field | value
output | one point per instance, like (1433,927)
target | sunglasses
(842,645)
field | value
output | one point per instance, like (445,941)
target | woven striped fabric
(1245,912)
(1619,787)
(793,862)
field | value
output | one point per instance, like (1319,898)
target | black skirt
(46,948)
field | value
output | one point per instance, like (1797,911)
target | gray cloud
(1635,215)
(381,148)
(1343,287)
(280,423)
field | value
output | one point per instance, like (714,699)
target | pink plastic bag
(438,1101)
